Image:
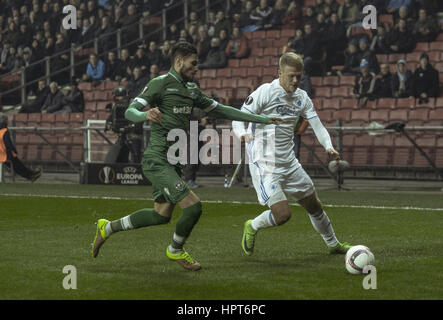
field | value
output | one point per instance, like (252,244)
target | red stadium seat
(318,103)
(233,63)
(349,103)
(379,115)
(110,85)
(223,73)
(267,79)
(436,46)
(76,117)
(273,51)
(242,93)
(394,57)
(247,82)
(209,73)
(248,62)
(347,80)
(88,96)
(406,103)
(254,72)
(340,92)
(323,92)
(101,105)
(360,115)
(85,86)
(257,52)
(262,62)
(436,117)
(345,115)
(288,33)
(386,103)
(332,103)
(270,71)
(330,81)
(382,58)
(439,67)
(439,102)
(260,34)
(34,117)
(229,83)
(273,34)
(418,117)
(90,106)
(239,72)
(422,46)
(413,57)
(398,115)
(316,81)
(429,105)
(214,83)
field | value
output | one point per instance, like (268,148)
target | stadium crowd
(32,30)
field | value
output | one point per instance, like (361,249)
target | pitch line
(222,202)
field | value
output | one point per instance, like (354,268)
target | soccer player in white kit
(274,169)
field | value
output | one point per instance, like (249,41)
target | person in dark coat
(216,57)
(426,81)
(402,81)
(113,67)
(40,97)
(55,99)
(383,82)
(74,101)
(136,83)
(8,152)
(400,39)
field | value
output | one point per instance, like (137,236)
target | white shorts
(273,187)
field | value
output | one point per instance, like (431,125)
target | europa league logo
(106,175)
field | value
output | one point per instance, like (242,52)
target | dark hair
(182,49)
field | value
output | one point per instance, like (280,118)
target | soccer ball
(357,258)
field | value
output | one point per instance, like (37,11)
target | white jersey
(271,99)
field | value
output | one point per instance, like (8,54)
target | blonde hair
(291,59)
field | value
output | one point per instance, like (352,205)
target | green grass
(40,235)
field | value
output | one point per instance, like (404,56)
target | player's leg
(321,223)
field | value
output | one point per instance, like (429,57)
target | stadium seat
(90,106)
(331,104)
(229,82)
(316,81)
(349,103)
(323,92)
(382,58)
(439,102)
(318,103)
(439,67)
(360,156)
(331,81)
(223,73)
(279,43)
(239,72)
(413,57)
(209,73)
(386,103)
(422,46)
(64,149)
(273,34)
(418,117)
(345,115)
(398,115)
(76,154)
(85,86)
(214,83)
(361,116)
(262,62)
(347,80)
(288,33)
(21,119)
(247,63)
(429,105)
(436,116)
(394,57)
(405,103)
(254,72)
(110,85)
(35,118)
(247,82)
(339,92)
(257,52)
(381,116)
(387,20)
(242,93)
(434,56)
(270,71)
(267,79)
(436,46)
(248,35)
(233,63)
(273,51)
(101,105)
(76,117)
(33,152)
(88,96)
(47,153)
(259,34)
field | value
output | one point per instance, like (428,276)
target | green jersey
(175,99)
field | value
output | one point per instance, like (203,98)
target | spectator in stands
(400,39)
(4,55)
(203,44)
(426,28)
(238,46)
(55,99)
(278,14)
(62,59)
(321,27)
(335,41)
(25,36)
(106,41)
(113,67)
(402,81)
(309,17)
(403,13)
(154,54)
(40,97)
(293,15)
(352,60)
(395,5)
(383,82)
(297,43)
(193,33)
(73,100)
(87,34)
(173,33)
(130,25)
(364,84)
(235,7)
(95,70)
(318,7)
(246,24)
(9,152)
(210,23)
(118,17)
(216,58)
(166,56)
(126,64)
(348,13)
(154,71)
(379,43)
(426,81)
(193,19)
(55,17)
(224,40)
(184,36)
(262,15)
(91,9)
(37,51)
(222,23)
(136,83)
(368,55)
(12,35)
(141,60)
(333,5)
(312,49)
(11,61)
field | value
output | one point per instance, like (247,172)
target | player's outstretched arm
(135,115)
(230,113)
(323,137)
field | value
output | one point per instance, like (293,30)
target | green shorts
(168,186)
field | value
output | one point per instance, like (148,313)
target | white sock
(108,229)
(321,223)
(263,221)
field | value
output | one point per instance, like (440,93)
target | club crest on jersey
(249,101)
(179,185)
(286,111)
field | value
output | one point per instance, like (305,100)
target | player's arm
(230,113)
(148,97)
(323,137)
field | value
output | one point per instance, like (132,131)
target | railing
(46,61)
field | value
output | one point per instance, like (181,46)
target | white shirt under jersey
(272,99)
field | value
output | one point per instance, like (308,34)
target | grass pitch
(46,227)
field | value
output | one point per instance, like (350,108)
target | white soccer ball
(357,258)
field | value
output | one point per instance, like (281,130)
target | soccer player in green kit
(171,98)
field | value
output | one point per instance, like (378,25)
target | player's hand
(275,120)
(247,137)
(154,115)
(333,154)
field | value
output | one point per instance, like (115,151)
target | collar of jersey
(174,73)
(283,92)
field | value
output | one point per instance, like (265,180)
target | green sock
(185,224)
(139,219)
